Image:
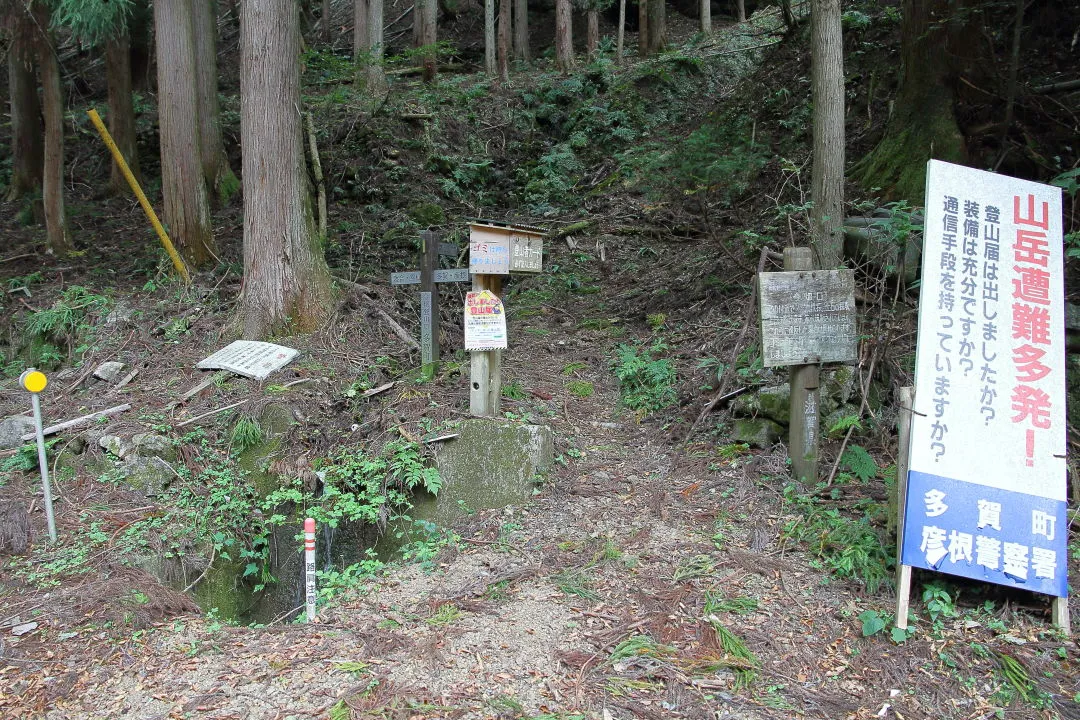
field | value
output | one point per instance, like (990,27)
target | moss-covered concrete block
(772,402)
(491,464)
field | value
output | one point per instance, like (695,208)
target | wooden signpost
(496,250)
(984,492)
(807,318)
(428,277)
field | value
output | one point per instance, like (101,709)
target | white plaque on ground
(986,486)
(485,321)
(807,317)
(249,358)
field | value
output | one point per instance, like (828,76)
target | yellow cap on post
(33,381)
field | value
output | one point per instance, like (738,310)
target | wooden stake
(803,439)
(903,572)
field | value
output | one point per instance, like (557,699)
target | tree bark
(324,20)
(121,110)
(505,48)
(215,162)
(705,15)
(740,6)
(286,283)
(564,38)
(657,26)
(827,234)
(521,30)
(183,185)
(52,104)
(643,28)
(934,49)
(27,133)
(490,61)
(592,32)
(139,41)
(361,32)
(621,33)
(425,35)
(376,76)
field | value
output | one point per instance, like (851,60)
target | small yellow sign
(33,381)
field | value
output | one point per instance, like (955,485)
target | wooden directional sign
(441,275)
(807,317)
(500,249)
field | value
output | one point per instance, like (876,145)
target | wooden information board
(807,317)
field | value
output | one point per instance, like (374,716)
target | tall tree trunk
(215,162)
(827,236)
(490,63)
(592,32)
(521,30)
(27,133)
(934,47)
(705,15)
(564,37)
(789,15)
(361,41)
(183,185)
(657,26)
(52,104)
(121,109)
(286,283)
(504,40)
(425,35)
(324,20)
(376,77)
(643,28)
(1014,68)
(740,6)
(621,33)
(139,39)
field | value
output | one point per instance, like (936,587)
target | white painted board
(249,358)
(485,321)
(987,484)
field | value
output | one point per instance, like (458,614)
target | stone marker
(109,371)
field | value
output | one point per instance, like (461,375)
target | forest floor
(654,575)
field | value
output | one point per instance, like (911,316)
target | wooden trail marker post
(985,492)
(495,250)
(807,318)
(428,277)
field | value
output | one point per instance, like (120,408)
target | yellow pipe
(177,262)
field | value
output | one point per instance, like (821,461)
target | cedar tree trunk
(215,162)
(621,33)
(376,77)
(121,109)
(490,64)
(933,48)
(286,284)
(657,26)
(361,39)
(52,104)
(827,235)
(564,37)
(183,186)
(521,30)
(504,40)
(592,32)
(643,28)
(27,134)
(425,34)
(706,16)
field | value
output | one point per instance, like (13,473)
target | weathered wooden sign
(496,249)
(986,488)
(249,358)
(412,277)
(807,317)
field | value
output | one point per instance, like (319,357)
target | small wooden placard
(807,317)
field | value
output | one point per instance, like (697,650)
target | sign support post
(903,572)
(803,439)
(485,382)
(34,381)
(429,302)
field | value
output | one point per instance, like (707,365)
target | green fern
(859,463)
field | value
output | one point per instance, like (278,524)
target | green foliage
(576,582)
(514,390)
(734,647)
(859,463)
(850,547)
(580,388)
(93,21)
(639,645)
(646,381)
(939,603)
(716,602)
(25,458)
(23,282)
(68,318)
(872,622)
(844,424)
(246,434)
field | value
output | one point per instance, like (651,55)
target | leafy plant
(580,388)
(514,390)
(646,381)
(859,463)
(246,434)
(68,318)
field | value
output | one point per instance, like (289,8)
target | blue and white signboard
(986,490)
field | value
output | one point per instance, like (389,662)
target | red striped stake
(309,566)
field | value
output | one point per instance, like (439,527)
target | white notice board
(987,486)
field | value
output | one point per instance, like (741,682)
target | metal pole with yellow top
(34,381)
(177,262)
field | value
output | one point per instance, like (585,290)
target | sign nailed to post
(807,317)
(986,491)
(496,249)
(485,321)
